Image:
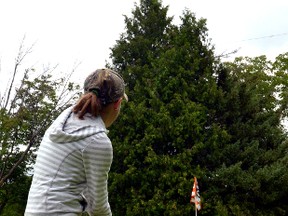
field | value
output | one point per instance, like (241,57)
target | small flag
(195,195)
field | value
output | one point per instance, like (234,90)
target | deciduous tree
(26,110)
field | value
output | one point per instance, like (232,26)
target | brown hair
(88,103)
(101,88)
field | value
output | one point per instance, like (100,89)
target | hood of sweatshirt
(69,128)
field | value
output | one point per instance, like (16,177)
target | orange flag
(195,196)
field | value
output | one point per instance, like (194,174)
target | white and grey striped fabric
(71,169)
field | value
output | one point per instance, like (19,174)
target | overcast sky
(65,32)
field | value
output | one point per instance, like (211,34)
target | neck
(106,115)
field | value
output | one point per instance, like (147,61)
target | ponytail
(88,103)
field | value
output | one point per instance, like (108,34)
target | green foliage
(188,115)
(13,195)
(23,121)
(251,113)
(191,115)
(143,41)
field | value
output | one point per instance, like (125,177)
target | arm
(97,159)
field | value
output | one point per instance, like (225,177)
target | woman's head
(102,88)
(107,84)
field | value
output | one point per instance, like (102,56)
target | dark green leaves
(191,115)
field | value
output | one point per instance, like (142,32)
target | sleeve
(97,159)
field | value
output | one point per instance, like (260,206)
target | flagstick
(195,209)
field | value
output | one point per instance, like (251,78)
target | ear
(117,104)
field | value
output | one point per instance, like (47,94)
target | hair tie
(94,91)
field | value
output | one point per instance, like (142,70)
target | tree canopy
(189,114)
(26,110)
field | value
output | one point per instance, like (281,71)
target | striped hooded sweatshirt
(71,169)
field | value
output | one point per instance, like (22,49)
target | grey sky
(69,31)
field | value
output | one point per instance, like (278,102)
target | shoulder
(99,140)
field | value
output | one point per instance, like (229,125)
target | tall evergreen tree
(170,86)
(189,115)
(142,42)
